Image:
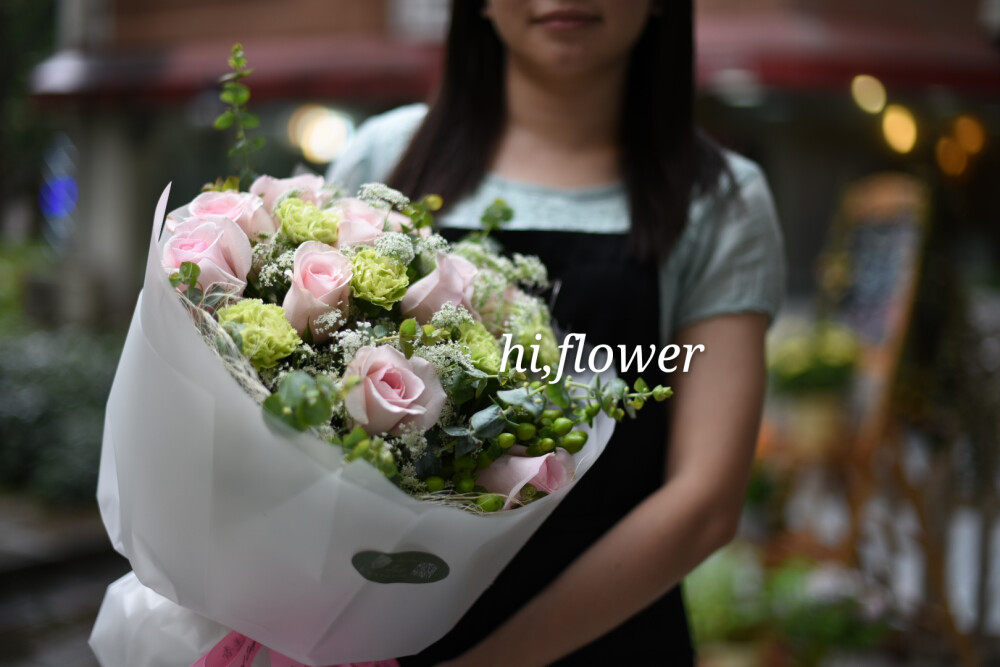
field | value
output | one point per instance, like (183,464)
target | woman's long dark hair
(665,160)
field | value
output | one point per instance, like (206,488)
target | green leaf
(558,394)
(237,147)
(194,294)
(302,401)
(255,144)
(496,214)
(408,329)
(225,121)
(189,272)
(235,93)
(175,280)
(460,389)
(234,329)
(480,386)
(275,406)
(533,404)
(488,423)
(465,442)
(248,120)
(618,388)
(354,437)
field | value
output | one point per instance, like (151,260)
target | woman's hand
(716,414)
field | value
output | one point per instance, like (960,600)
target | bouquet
(313,403)
(315,439)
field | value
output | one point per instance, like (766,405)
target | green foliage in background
(54,388)
(16,261)
(723,597)
(820,360)
(809,608)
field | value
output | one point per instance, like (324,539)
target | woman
(579,115)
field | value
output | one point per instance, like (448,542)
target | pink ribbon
(236,650)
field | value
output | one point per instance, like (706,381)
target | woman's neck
(562,133)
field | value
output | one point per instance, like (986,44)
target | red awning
(368,68)
(801,52)
(781,50)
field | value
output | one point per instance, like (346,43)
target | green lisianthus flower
(377,279)
(303,221)
(483,347)
(265,335)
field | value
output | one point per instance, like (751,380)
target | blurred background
(871,534)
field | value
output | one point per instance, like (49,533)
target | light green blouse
(729,258)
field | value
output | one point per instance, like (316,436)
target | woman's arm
(716,413)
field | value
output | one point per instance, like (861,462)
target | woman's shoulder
(394,126)
(740,198)
(731,256)
(376,147)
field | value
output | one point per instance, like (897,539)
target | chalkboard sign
(882,265)
(876,253)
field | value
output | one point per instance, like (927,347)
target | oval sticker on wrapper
(405,567)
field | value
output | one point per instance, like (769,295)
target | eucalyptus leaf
(225,120)
(530,402)
(488,423)
(558,394)
(248,120)
(465,442)
(235,94)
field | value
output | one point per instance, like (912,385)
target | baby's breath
(329,321)
(450,316)
(413,442)
(409,481)
(395,245)
(447,358)
(380,194)
(348,342)
(529,271)
(485,258)
(431,244)
(487,288)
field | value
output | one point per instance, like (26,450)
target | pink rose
(511,472)
(394,392)
(449,282)
(217,245)
(321,282)
(363,223)
(243,208)
(269,189)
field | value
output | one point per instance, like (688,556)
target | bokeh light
(969,134)
(58,196)
(951,158)
(899,128)
(868,93)
(319,132)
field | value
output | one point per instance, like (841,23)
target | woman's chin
(568,60)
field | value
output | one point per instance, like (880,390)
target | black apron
(613,299)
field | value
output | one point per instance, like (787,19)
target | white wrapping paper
(138,626)
(256,529)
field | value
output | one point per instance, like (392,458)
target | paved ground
(46,612)
(54,568)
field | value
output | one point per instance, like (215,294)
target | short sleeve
(376,147)
(731,257)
